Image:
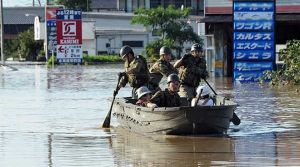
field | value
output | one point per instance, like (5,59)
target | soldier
(144,96)
(160,68)
(193,68)
(169,97)
(136,70)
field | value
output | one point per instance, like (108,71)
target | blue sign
(253,25)
(68,14)
(253,36)
(250,76)
(252,66)
(253,55)
(253,39)
(254,45)
(253,6)
(51,36)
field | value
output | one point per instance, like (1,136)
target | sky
(11,3)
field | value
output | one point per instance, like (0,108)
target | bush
(289,74)
(101,58)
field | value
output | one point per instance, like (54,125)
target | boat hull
(173,120)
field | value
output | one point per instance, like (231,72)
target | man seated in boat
(169,97)
(203,97)
(144,96)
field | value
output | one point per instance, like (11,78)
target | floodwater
(51,117)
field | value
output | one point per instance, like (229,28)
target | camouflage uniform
(166,99)
(190,75)
(137,74)
(159,69)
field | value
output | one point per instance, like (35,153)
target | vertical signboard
(51,29)
(69,36)
(253,39)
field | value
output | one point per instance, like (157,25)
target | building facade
(218,23)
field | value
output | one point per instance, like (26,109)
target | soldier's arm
(166,69)
(123,81)
(181,61)
(178,63)
(136,67)
(156,98)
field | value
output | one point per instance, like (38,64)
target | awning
(228,18)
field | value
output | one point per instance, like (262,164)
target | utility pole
(1,32)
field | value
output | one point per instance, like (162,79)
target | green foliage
(152,49)
(171,23)
(10,48)
(28,48)
(72,4)
(289,74)
(51,60)
(101,58)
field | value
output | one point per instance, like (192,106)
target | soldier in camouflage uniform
(161,68)
(136,70)
(169,97)
(192,69)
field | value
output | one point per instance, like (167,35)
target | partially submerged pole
(1,32)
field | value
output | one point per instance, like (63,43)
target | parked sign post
(69,36)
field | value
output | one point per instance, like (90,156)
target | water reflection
(138,150)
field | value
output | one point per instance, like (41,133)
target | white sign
(69,53)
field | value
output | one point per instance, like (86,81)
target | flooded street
(52,117)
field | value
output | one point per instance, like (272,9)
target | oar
(235,119)
(198,97)
(106,123)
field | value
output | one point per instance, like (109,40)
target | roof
(22,15)
(228,18)
(103,4)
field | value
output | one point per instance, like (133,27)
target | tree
(75,4)
(170,23)
(28,48)
(289,74)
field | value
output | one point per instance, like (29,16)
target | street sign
(253,39)
(69,36)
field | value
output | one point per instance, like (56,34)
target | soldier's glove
(184,57)
(116,91)
(204,75)
(121,74)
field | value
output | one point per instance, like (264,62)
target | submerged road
(51,117)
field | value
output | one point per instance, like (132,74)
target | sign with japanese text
(253,38)
(69,36)
(51,29)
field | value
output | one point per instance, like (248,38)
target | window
(134,43)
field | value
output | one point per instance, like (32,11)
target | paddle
(235,119)
(106,123)
(198,97)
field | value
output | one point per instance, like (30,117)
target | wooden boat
(184,120)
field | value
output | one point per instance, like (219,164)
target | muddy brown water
(51,117)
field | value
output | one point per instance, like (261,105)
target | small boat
(183,120)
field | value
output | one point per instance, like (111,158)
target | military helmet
(165,50)
(196,46)
(125,50)
(173,78)
(205,90)
(143,90)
